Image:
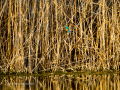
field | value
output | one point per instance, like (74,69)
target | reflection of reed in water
(63,82)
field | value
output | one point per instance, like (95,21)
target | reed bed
(33,37)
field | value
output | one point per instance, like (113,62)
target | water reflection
(61,82)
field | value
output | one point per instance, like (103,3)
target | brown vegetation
(33,39)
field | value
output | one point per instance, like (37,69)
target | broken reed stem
(33,37)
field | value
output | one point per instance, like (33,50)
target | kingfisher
(67,29)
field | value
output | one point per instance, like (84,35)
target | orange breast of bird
(66,29)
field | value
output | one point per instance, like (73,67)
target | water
(61,82)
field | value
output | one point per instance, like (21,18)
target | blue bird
(67,29)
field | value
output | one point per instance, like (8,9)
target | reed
(33,37)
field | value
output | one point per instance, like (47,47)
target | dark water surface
(108,81)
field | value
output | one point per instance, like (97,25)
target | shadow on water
(108,81)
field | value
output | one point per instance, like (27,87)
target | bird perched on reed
(67,29)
